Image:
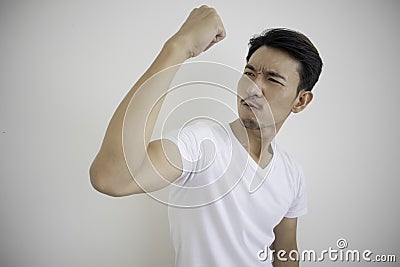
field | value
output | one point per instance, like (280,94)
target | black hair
(298,46)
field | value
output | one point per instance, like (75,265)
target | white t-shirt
(225,207)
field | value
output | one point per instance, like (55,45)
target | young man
(257,191)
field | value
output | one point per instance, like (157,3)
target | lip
(249,104)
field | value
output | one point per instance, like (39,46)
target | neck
(256,142)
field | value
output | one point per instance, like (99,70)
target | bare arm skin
(285,239)
(148,164)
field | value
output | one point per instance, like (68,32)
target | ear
(302,100)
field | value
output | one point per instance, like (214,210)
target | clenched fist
(201,30)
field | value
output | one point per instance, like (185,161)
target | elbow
(97,180)
(101,181)
(109,175)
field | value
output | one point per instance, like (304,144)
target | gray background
(65,66)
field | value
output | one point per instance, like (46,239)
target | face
(267,90)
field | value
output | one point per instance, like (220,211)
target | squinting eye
(275,81)
(248,73)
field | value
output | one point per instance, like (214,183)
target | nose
(255,88)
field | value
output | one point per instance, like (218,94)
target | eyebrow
(269,72)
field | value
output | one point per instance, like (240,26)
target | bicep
(162,166)
(112,175)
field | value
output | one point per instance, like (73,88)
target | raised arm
(147,161)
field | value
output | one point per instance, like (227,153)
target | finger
(220,36)
(221,33)
(213,42)
(208,47)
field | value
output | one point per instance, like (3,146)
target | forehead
(269,58)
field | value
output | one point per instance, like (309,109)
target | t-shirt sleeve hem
(186,165)
(296,214)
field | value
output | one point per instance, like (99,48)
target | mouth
(249,104)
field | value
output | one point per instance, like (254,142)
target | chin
(250,124)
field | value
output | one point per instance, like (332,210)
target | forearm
(123,153)
(135,113)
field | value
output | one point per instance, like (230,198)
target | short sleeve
(187,142)
(299,205)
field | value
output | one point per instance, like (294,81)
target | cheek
(280,102)
(282,94)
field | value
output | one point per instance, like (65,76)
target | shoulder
(199,138)
(202,130)
(287,158)
(294,174)
(290,164)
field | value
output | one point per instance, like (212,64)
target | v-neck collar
(259,175)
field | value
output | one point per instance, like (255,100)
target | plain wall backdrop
(65,66)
